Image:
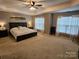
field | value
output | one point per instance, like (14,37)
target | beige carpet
(42,46)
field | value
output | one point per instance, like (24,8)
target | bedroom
(48,42)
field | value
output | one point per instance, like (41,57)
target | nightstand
(3,33)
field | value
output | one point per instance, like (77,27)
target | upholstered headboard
(16,24)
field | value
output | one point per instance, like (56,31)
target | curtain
(39,23)
(68,25)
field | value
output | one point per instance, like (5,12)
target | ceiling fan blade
(22,0)
(38,5)
(40,1)
(33,3)
(26,3)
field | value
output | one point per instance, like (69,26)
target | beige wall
(47,23)
(54,20)
(5,17)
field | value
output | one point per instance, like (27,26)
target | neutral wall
(5,17)
(54,20)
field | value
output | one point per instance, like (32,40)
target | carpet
(42,46)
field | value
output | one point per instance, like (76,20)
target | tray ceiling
(20,7)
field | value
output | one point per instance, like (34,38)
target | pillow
(24,27)
(19,27)
(15,28)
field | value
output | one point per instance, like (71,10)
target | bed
(20,31)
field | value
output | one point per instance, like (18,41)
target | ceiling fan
(33,5)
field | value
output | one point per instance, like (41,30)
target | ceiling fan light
(32,8)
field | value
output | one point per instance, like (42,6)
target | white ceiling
(19,7)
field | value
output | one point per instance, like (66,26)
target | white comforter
(18,31)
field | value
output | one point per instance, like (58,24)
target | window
(39,23)
(68,25)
